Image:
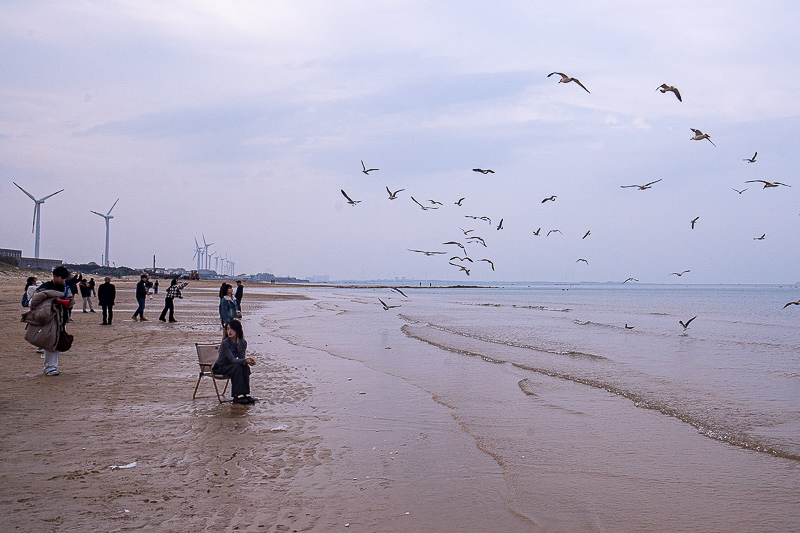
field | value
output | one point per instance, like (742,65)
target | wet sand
(332,445)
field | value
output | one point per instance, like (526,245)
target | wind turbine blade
(204,240)
(112,207)
(96,213)
(26,192)
(35,210)
(49,195)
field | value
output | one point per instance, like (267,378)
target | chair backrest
(207,354)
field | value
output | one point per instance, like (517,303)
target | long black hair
(236,326)
(223,290)
(31,281)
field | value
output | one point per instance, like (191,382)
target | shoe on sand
(53,372)
(143,319)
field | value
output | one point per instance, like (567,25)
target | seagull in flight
(424,207)
(760,238)
(695,219)
(466,231)
(686,324)
(483,171)
(791,303)
(552,231)
(462,268)
(465,258)
(630,279)
(768,184)
(699,136)
(664,88)
(642,187)
(584,260)
(551,198)
(426,252)
(679,274)
(393,195)
(737,190)
(458,203)
(350,200)
(488,261)
(398,290)
(434,202)
(500,225)
(586,234)
(457,244)
(385,306)
(537,232)
(751,159)
(567,79)
(477,239)
(367,170)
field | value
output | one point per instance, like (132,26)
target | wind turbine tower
(108,217)
(37,213)
(198,252)
(206,245)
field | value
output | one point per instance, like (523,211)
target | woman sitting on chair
(233,362)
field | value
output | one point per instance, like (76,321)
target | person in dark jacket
(233,362)
(239,294)
(227,306)
(174,291)
(86,294)
(142,289)
(105,297)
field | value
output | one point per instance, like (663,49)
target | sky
(241,121)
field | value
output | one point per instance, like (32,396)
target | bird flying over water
(630,279)
(551,198)
(488,261)
(751,159)
(385,306)
(367,170)
(686,324)
(350,200)
(642,187)
(664,88)
(461,267)
(699,136)
(768,184)
(791,303)
(679,274)
(393,195)
(483,171)
(567,79)
(426,252)
(695,219)
(401,292)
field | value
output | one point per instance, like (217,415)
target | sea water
(605,413)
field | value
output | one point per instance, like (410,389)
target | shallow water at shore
(597,426)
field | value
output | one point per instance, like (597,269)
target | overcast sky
(241,121)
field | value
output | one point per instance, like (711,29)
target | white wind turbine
(37,213)
(108,217)
(198,252)
(206,245)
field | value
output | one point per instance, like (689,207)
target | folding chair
(206,356)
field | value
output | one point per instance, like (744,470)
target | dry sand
(298,460)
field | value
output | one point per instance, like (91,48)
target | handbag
(64,341)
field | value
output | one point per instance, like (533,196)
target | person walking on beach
(47,317)
(105,297)
(174,291)
(227,305)
(142,289)
(91,286)
(233,362)
(239,294)
(86,294)
(30,288)
(155,288)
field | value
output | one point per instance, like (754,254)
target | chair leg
(217,389)
(227,382)
(198,385)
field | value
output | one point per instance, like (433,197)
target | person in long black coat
(105,297)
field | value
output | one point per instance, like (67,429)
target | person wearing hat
(142,289)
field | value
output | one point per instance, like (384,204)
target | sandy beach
(332,445)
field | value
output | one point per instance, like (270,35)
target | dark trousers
(168,306)
(240,377)
(139,310)
(108,314)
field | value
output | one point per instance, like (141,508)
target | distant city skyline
(243,122)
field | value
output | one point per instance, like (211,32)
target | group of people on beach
(50,307)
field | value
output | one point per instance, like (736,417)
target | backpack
(25,302)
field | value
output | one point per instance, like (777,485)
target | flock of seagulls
(458,261)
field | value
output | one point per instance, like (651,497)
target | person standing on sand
(239,294)
(105,297)
(174,291)
(233,362)
(47,316)
(91,286)
(142,289)
(227,305)
(86,294)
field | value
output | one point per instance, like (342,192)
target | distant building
(320,279)
(30,262)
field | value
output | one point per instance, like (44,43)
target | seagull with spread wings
(751,159)
(385,306)
(686,324)
(457,244)
(737,190)
(760,238)
(350,200)
(465,258)
(699,136)
(694,220)
(367,170)
(488,261)
(550,199)
(398,290)
(483,171)
(679,274)
(458,203)
(664,88)
(768,184)
(630,279)
(586,234)
(424,207)
(537,232)
(461,267)
(791,303)
(393,195)
(477,239)
(426,252)
(584,260)
(553,231)
(642,187)
(567,79)
(500,225)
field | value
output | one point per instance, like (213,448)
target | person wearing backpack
(26,296)
(48,314)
